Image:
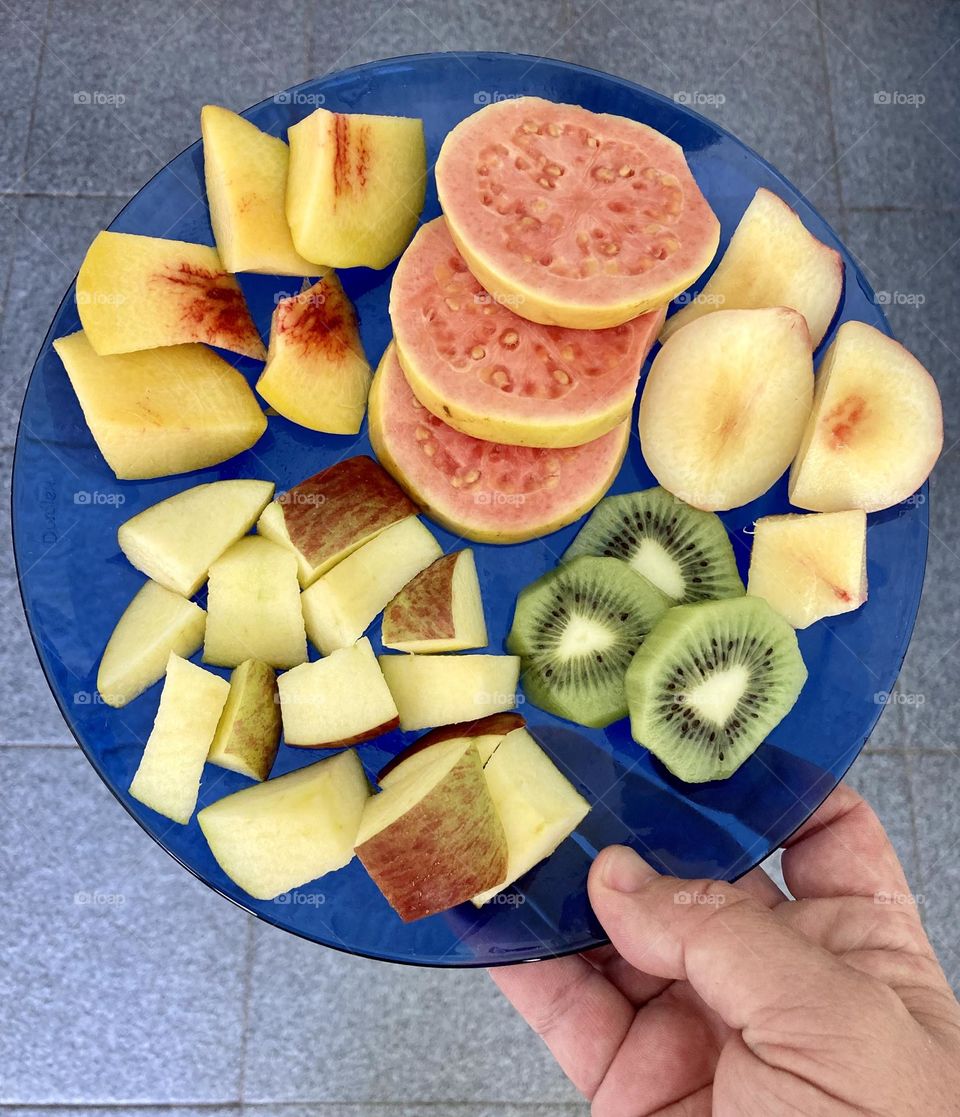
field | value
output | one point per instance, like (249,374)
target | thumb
(739,957)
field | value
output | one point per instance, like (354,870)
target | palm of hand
(733,1001)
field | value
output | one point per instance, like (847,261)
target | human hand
(731,1000)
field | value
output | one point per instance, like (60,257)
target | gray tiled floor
(124,982)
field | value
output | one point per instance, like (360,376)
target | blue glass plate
(75,583)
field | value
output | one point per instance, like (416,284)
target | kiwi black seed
(684,551)
(576,630)
(710,682)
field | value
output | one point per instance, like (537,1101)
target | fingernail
(624,871)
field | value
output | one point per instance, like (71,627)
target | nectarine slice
(876,429)
(810,567)
(772,260)
(316,373)
(355,187)
(246,178)
(161,411)
(136,292)
(725,405)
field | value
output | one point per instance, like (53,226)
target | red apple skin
(353,499)
(423,609)
(367,735)
(493,723)
(448,847)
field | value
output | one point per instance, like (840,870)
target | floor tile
(456,1109)
(30,715)
(50,237)
(894,93)
(109,116)
(325,1027)
(124,1111)
(23,34)
(935,779)
(756,68)
(123,976)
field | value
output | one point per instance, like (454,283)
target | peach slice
(339,606)
(155,623)
(316,373)
(433,840)
(876,429)
(355,187)
(168,777)
(137,292)
(810,567)
(246,177)
(772,260)
(248,735)
(161,411)
(330,515)
(253,607)
(287,831)
(443,689)
(340,700)
(725,404)
(440,610)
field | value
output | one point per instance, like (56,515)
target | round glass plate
(75,583)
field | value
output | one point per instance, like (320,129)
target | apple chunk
(434,840)
(876,429)
(443,689)
(337,701)
(355,187)
(290,830)
(772,260)
(246,178)
(154,624)
(486,733)
(810,567)
(137,292)
(316,373)
(175,541)
(330,515)
(162,411)
(440,610)
(168,778)
(725,404)
(253,607)
(248,734)
(340,605)
(537,805)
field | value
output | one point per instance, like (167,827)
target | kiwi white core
(653,561)
(717,696)
(584,633)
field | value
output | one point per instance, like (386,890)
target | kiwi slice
(576,630)
(684,551)
(710,682)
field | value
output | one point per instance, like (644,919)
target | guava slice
(579,219)
(481,490)
(491,374)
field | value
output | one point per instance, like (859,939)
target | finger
(843,850)
(669,1053)
(639,987)
(580,1016)
(738,956)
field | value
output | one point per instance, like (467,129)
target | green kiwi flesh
(576,630)
(710,682)
(684,551)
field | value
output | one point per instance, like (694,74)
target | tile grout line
(41,59)
(828,85)
(248,955)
